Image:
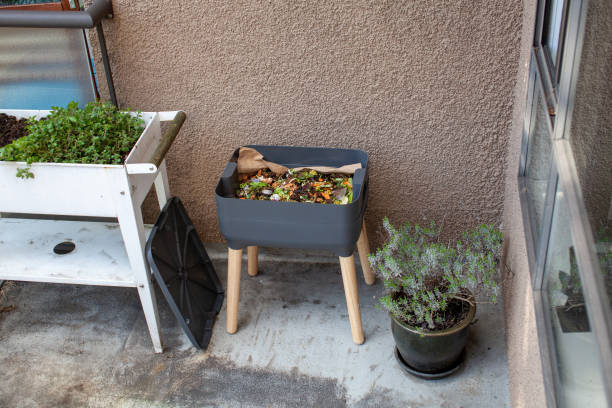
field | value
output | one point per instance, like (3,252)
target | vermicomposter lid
(184,272)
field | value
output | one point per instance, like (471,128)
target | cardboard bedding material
(250,161)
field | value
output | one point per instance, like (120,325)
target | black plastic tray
(184,272)
(294,225)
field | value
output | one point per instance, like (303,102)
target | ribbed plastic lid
(185,273)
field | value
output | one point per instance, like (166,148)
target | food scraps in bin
(305,186)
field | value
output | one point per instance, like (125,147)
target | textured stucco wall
(426,88)
(524,363)
(433,91)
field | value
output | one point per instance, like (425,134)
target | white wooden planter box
(92,190)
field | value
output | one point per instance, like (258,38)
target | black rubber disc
(64,248)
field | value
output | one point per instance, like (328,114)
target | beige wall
(524,363)
(433,91)
(426,88)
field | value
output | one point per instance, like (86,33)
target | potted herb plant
(431,291)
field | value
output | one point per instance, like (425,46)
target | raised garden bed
(89,190)
(98,133)
(83,189)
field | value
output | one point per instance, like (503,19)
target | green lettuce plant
(98,133)
(424,277)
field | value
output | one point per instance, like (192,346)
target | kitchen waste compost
(306,186)
(263,180)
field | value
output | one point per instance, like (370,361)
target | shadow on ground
(74,346)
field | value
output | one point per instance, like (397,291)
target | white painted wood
(58,188)
(129,216)
(25,113)
(147,142)
(167,116)
(141,168)
(162,188)
(100,258)
(141,185)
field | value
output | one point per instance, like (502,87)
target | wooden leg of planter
(347,265)
(162,188)
(234,261)
(363,247)
(252,255)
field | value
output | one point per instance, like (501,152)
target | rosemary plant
(426,279)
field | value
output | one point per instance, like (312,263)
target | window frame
(536,249)
(553,68)
(57,5)
(65,5)
(558,83)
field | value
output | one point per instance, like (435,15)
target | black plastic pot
(288,224)
(431,354)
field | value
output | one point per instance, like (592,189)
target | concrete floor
(74,346)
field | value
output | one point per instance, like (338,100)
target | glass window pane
(539,153)
(43,67)
(590,134)
(553,18)
(579,379)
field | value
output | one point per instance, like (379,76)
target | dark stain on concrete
(185,379)
(76,372)
(188,380)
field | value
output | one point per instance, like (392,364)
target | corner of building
(524,361)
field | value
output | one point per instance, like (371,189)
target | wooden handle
(168,138)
